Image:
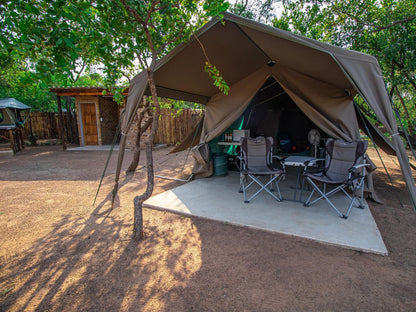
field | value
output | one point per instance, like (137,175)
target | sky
(278,6)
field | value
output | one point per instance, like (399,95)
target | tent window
(1,115)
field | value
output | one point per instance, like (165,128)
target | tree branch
(151,10)
(133,12)
(405,20)
(203,49)
(180,36)
(377,28)
(78,73)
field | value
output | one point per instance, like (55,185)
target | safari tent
(319,79)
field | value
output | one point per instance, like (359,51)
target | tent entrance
(273,113)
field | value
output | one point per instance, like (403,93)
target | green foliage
(215,7)
(59,41)
(16,82)
(19,82)
(215,74)
(385,29)
(179,105)
(259,10)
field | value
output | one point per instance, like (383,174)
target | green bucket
(220,164)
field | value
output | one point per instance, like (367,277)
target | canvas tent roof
(13,103)
(320,78)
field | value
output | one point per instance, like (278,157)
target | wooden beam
(83,92)
(12,144)
(61,123)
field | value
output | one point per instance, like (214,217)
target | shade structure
(12,113)
(13,103)
(321,79)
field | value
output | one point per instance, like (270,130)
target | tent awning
(13,103)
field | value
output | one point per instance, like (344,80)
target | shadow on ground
(67,256)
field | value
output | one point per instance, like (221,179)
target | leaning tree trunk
(141,128)
(138,232)
(409,127)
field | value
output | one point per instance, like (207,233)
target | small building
(97,114)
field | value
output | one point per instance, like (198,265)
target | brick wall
(109,119)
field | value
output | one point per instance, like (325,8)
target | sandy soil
(58,252)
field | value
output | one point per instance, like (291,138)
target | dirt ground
(58,252)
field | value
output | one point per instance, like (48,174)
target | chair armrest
(354,168)
(281,158)
(312,161)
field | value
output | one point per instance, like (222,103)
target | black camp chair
(345,169)
(257,164)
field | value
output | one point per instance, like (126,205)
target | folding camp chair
(257,165)
(344,170)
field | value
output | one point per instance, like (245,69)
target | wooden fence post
(61,123)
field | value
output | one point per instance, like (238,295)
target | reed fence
(175,125)
(45,125)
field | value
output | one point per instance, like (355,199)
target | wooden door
(89,124)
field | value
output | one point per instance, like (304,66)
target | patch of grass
(6,290)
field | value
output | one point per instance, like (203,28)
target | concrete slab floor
(217,198)
(107,147)
(94,148)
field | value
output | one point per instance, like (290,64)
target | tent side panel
(369,82)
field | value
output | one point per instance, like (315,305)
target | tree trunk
(409,78)
(140,130)
(136,157)
(138,232)
(409,127)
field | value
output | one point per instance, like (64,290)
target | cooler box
(220,164)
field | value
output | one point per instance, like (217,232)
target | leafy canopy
(385,29)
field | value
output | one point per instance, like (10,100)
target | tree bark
(138,232)
(136,157)
(409,128)
(141,128)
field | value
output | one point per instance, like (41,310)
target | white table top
(229,143)
(297,160)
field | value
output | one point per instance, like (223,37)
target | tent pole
(269,99)
(378,152)
(109,156)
